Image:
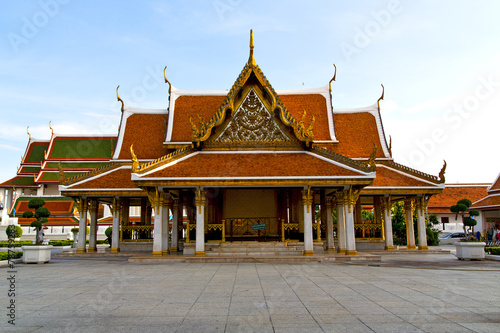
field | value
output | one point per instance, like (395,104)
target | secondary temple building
(251,164)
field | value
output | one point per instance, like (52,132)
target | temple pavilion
(251,164)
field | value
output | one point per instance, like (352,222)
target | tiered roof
(62,211)
(492,201)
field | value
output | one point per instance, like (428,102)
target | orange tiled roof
(53,221)
(252,165)
(187,106)
(496,185)
(356,133)
(147,133)
(390,178)
(313,104)
(451,194)
(117,179)
(491,201)
(55,207)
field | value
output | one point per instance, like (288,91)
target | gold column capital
(408,203)
(93,204)
(200,198)
(352,197)
(307,198)
(81,204)
(156,198)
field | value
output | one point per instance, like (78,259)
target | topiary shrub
(14,231)
(462,208)
(108,231)
(41,215)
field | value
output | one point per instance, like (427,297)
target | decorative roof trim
(97,172)
(492,184)
(419,175)
(173,156)
(359,166)
(411,174)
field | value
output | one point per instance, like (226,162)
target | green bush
(14,230)
(492,250)
(432,236)
(77,230)
(108,231)
(15,244)
(61,242)
(13,255)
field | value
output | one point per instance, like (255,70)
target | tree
(41,216)
(463,208)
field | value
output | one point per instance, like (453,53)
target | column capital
(307,198)
(329,202)
(93,204)
(80,204)
(408,203)
(156,198)
(340,198)
(351,197)
(200,199)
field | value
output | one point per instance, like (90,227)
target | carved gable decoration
(252,123)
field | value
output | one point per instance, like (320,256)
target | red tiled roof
(390,178)
(252,165)
(451,194)
(147,133)
(187,106)
(491,201)
(313,104)
(356,133)
(117,179)
(55,207)
(496,185)
(53,221)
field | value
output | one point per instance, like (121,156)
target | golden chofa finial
(166,80)
(50,126)
(381,96)
(251,59)
(119,99)
(28,132)
(441,173)
(333,78)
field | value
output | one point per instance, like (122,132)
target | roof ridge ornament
(28,132)
(441,173)
(135,161)
(166,80)
(251,59)
(50,126)
(381,96)
(62,175)
(119,99)
(333,78)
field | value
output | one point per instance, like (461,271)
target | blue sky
(439,62)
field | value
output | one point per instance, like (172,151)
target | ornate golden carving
(156,198)
(441,173)
(93,204)
(200,131)
(371,162)
(62,175)
(135,161)
(381,97)
(352,197)
(307,198)
(252,123)
(119,99)
(167,81)
(50,126)
(80,204)
(304,134)
(333,78)
(28,132)
(200,199)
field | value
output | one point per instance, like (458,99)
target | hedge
(493,250)
(13,255)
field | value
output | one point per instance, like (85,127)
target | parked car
(451,238)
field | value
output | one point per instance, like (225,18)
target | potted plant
(39,253)
(470,247)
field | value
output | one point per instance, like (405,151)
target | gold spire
(27,131)
(118,98)
(50,126)
(166,80)
(251,59)
(381,97)
(441,173)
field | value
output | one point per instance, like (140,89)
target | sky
(61,61)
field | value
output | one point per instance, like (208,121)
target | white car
(451,238)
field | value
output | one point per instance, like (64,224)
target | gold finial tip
(251,59)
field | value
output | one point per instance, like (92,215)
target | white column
(307,200)
(350,238)
(115,234)
(165,230)
(386,207)
(158,212)
(200,223)
(93,207)
(175,226)
(8,202)
(340,223)
(410,232)
(82,227)
(422,230)
(329,225)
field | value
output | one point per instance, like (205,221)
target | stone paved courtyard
(403,293)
